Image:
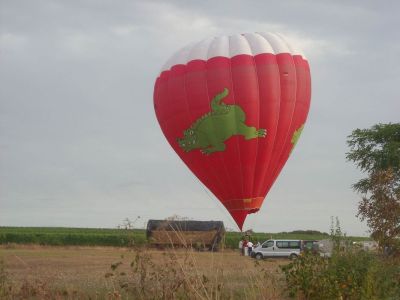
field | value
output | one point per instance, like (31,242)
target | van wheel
(259,256)
(293,256)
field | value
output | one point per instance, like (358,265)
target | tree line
(376,152)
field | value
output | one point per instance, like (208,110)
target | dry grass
(83,272)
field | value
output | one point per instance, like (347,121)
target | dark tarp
(189,226)
(185,225)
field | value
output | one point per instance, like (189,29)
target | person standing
(249,247)
(245,253)
(241,246)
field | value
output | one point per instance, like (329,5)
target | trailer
(200,235)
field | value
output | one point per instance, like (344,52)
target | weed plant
(350,273)
(178,276)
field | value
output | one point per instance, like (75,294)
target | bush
(350,273)
(347,275)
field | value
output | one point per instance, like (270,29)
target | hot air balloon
(233,107)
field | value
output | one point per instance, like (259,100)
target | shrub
(350,273)
(3,279)
(347,275)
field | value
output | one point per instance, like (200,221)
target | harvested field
(107,272)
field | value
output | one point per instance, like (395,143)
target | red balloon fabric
(233,108)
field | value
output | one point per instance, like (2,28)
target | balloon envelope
(233,108)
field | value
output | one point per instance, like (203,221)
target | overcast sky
(79,142)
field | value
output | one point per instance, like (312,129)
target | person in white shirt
(249,247)
(241,247)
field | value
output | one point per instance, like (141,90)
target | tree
(381,209)
(376,151)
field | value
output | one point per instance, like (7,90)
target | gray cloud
(79,141)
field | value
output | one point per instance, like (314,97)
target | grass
(58,272)
(137,272)
(61,236)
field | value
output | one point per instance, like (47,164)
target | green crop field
(60,236)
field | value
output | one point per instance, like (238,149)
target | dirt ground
(86,268)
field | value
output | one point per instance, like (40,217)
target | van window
(282,244)
(288,244)
(268,244)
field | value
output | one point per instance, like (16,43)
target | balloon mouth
(240,208)
(252,211)
(251,204)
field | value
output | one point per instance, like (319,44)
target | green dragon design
(209,132)
(296,136)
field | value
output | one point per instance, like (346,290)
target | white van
(277,248)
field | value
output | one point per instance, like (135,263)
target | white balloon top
(230,46)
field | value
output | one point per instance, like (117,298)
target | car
(309,245)
(277,248)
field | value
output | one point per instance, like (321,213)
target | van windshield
(268,244)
